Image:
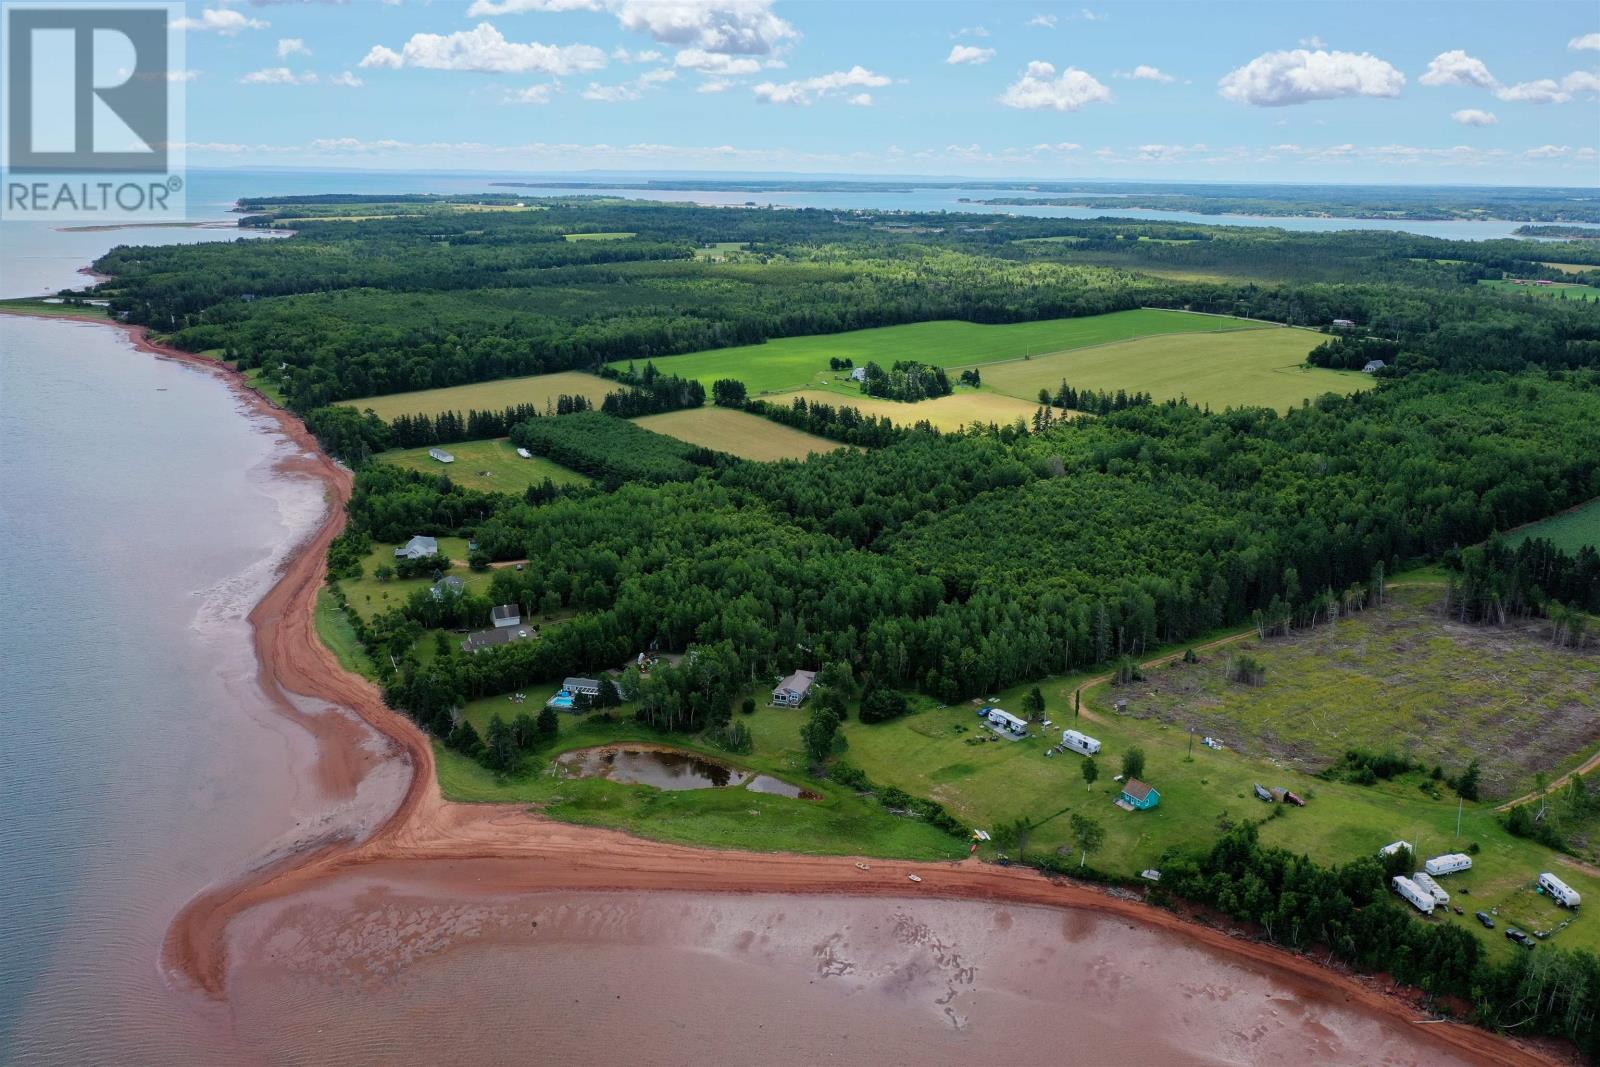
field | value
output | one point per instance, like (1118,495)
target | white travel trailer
(1080,742)
(1559,891)
(1432,888)
(1395,846)
(1419,898)
(1448,864)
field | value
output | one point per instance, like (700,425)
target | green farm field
(490,466)
(738,433)
(794,362)
(1248,368)
(1570,530)
(1558,291)
(536,389)
(964,407)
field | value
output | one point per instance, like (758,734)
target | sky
(1449,92)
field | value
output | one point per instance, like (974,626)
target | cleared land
(370,597)
(490,466)
(1257,368)
(538,389)
(618,236)
(1572,268)
(1555,291)
(718,251)
(794,362)
(736,432)
(1400,677)
(964,407)
(1570,530)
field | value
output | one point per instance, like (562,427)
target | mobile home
(1419,898)
(1559,891)
(1432,888)
(1395,846)
(1448,864)
(441,455)
(1004,722)
(1080,743)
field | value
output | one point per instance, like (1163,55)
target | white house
(1373,366)
(1006,723)
(1395,846)
(793,690)
(1449,863)
(1080,742)
(1559,891)
(859,374)
(1420,898)
(418,547)
(587,686)
(506,615)
(441,455)
(1432,888)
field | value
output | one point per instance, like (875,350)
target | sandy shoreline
(468,850)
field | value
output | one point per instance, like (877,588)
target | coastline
(493,849)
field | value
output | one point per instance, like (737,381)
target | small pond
(666,768)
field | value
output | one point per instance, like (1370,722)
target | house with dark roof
(506,615)
(1137,796)
(419,547)
(479,640)
(793,690)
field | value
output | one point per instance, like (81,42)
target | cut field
(1570,530)
(1240,368)
(538,390)
(1400,677)
(1554,291)
(964,407)
(1572,268)
(794,362)
(738,433)
(489,466)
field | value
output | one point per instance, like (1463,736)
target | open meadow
(538,389)
(793,362)
(964,407)
(489,466)
(1570,530)
(1262,368)
(736,432)
(1552,291)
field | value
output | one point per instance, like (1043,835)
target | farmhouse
(1005,724)
(441,455)
(482,639)
(418,547)
(448,586)
(506,615)
(1373,366)
(793,690)
(1137,796)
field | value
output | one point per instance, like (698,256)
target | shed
(506,615)
(441,455)
(447,586)
(793,690)
(1137,796)
(419,547)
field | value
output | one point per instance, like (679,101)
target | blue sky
(1286,91)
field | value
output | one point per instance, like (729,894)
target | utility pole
(1460,803)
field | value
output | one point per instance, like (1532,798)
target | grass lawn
(370,597)
(266,387)
(1555,291)
(538,390)
(618,236)
(335,631)
(1233,369)
(749,436)
(490,466)
(1570,530)
(1398,677)
(964,407)
(793,362)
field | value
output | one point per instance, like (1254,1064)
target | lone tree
(1091,771)
(1088,835)
(1467,783)
(1133,763)
(1033,704)
(548,724)
(818,733)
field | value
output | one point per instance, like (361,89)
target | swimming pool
(562,701)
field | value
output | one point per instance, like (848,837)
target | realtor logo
(92,96)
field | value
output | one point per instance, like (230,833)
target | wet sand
(234,940)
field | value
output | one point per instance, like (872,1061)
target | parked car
(1486,919)
(1520,938)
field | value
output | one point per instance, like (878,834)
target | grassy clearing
(41,307)
(1572,268)
(964,407)
(1239,368)
(1570,530)
(539,390)
(618,236)
(490,466)
(335,631)
(1554,291)
(741,434)
(795,362)
(369,597)
(718,251)
(266,387)
(1399,677)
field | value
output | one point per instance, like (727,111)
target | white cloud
(972,31)
(966,53)
(629,90)
(1550,91)
(1045,22)
(518,7)
(1059,146)
(806,90)
(346,79)
(1279,79)
(1145,72)
(1313,42)
(182,75)
(485,49)
(715,85)
(220,20)
(860,100)
(290,46)
(1091,16)
(1040,87)
(278,76)
(1474,117)
(718,64)
(1589,42)
(533,94)
(1458,68)
(622,55)
(739,27)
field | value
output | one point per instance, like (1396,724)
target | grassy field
(335,631)
(491,466)
(369,596)
(618,236)
(488,396)
(41,306)
(795,362)
(1557,291)
(1399,677)
(744,435)
(1570,530)
(1572,268)
(964,407)
(1239,368)
(719,251)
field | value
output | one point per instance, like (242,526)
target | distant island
(1569,233)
